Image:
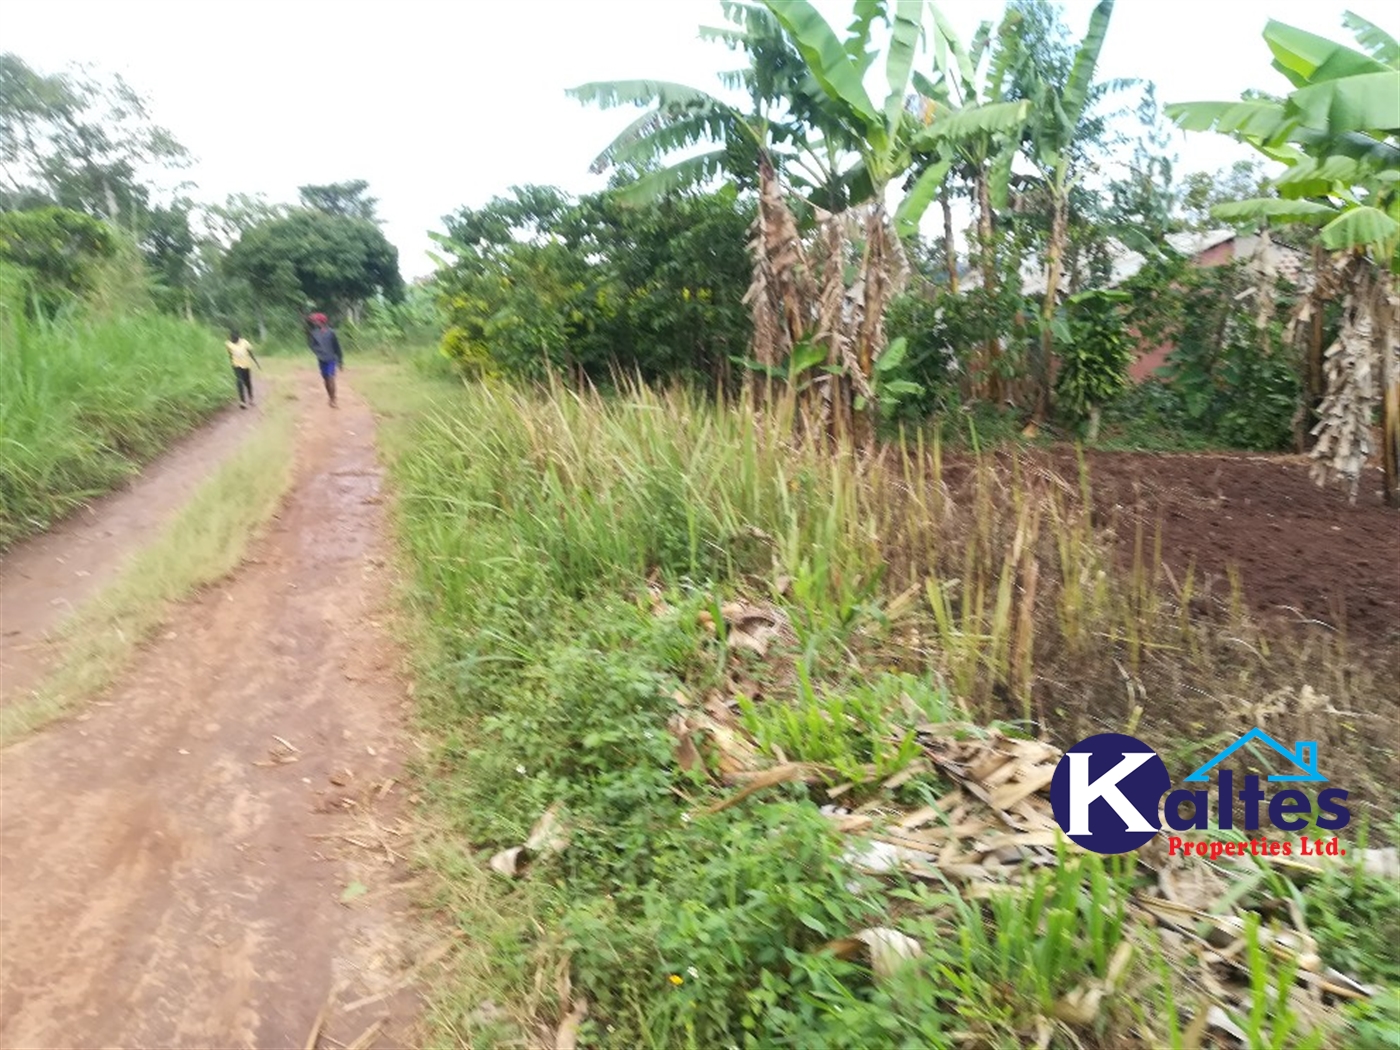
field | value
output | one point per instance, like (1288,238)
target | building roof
(1124,261)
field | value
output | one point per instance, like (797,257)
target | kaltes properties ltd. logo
(1107,796)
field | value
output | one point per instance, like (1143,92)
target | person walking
(324,344)
(242,358)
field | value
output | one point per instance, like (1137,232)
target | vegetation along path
(45,578)
(207,855)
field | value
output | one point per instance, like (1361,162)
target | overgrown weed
(570,551)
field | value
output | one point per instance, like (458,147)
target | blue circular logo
(1106,792)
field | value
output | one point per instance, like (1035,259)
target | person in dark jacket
(326,347)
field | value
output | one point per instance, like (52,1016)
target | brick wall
(1151,358)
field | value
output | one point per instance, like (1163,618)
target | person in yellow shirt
(240,355)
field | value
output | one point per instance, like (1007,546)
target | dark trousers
(244,376)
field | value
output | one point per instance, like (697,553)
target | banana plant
(1335,132)
(1338,134)
(888,136)
(785,120)
(974,132)
(1057,118)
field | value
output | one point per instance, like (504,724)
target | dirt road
(44,578)
(210,853)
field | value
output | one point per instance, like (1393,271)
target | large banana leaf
(1273,208)
(830,63)
(911,209)
(609,94)
(658,135)
(899,63)
(1086,59)
(1355,144)
(1380,44)
(685,174)
(993,118)
(999,177)
(980,41)
(1364,102)
(1317,177)
(937,90)
(1306,58)
(1361,228)
(865,13)
(1261,121)
(946,38)
(682,116)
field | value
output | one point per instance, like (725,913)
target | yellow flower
(676,978)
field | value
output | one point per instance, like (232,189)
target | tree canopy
(328,260)
(79,142)
(343,199)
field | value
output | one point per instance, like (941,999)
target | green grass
(85,400)
(566,554)
(202,543)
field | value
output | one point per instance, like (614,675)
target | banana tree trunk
(1054,264)
(989,379)
(833,324)
(780,297)
(1388,332)
(880,275)
(1317,378)
(950,252)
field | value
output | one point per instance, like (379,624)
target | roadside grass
(205,541)
(87,398)
(581,571)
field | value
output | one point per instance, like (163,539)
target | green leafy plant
(1094,362)
(535,281)
(1271,1022)
(1337,131)
(861,734)
(58,250)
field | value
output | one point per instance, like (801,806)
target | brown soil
(1303,553)
(44,578)
(175,860)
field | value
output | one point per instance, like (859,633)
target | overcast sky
(440,104)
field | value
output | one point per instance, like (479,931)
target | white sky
(441,104)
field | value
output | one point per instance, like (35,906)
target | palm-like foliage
(973,131)
(784,118)
(811,127)
(888,137)
(1059,122)
(1338,133)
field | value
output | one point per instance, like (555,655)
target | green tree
(326,260)
(1203,191)
(823,147)
(168,245)
(975,130)
(1061,123)
(58,249)
(79,142)
(1094,360)
(606,283)
(343,199)
(225,223)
